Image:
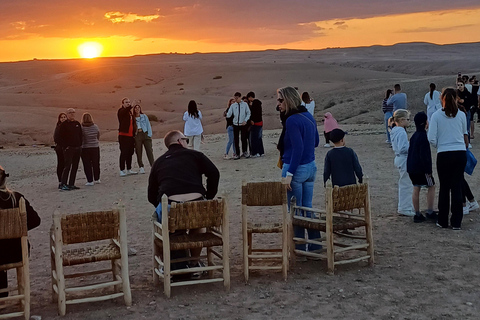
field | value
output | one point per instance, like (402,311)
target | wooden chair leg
(210,261)
(370,250)
(127,293)
(226,265)
(54,282)
(166,271)
(330,248)
(285,253)
(26,289)
(21,285)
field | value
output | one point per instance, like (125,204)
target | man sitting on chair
(11,251)
(178,174)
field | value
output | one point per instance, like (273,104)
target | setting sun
(89,50)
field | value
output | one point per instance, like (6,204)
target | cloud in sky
(120,17)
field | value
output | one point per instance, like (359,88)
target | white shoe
(131,172)
(246,154)
(386,141)
(326,145)
(465,210)
(89,184)
(473,205)
(123,173)
(226,157)
(98,181)
(142,170)
(407,213)
(469,146)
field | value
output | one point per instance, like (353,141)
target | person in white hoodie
(400,145)
(241,114)
(193,125)
(432,101)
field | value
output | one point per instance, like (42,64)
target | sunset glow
(89,50)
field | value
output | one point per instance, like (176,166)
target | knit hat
(336,135)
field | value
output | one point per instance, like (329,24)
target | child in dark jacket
(419,167)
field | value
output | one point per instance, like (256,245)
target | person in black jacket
(419,167)
(71,138)
(127,127)
(11,250)
(62,117)
(178,174)
(256,128)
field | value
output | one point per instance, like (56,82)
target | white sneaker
(326,145)
(407,213)
(142,170)
(246,154)
(123,173)
(89,183)
(473,205)
(131,172)
(465,210)
(469,146)
(98,181)
(226,157)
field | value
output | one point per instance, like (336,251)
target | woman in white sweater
(448,133)
(193,125)
(432,101)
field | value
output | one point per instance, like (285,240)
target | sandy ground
(421,272)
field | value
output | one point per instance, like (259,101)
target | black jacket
(419,159)
(256,111)
(70,134)
(125,117)
(179,171)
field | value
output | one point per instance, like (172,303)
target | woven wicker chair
(263,194)
(210,214)
(347,215)
(80,228)
(13,225)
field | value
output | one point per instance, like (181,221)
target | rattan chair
(209,214)
(95,236)
(265,194)
(347,216)
(13,225)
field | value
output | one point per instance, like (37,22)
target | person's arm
(248,113)
(426,156)
(152,190)
(432,131)
(403,143)
(185,116)
(149,127)
(33,219)
(425,100)
(229,112)
(213,176)
(317,138)
(199,115)
(293,132)
(357,167)
(326,169)
(390,100)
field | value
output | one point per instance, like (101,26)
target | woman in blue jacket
(299,169)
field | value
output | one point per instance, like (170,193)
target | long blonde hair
(87,120)
(292,98)
(397,116)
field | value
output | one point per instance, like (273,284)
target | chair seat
(264,227)
(339,224)
(91,254)
(193,241)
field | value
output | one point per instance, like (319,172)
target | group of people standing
(445,126)
(244,118)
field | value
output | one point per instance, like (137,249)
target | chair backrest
(13,222)
(90,226)
(349,197)
(196,214)
(272,193)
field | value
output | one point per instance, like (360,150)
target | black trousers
(450,166)
(91,163)
(72,158)
(244,135)
(466,192)
(60,162)
(127,148)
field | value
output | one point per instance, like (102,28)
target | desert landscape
(420,272)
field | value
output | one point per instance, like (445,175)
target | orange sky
(124,33)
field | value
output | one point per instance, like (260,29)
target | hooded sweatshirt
(419,160)
(399,141)
(329,123)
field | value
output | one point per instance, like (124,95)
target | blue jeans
(302,188)
(387,116)
(256,142)
(230,140)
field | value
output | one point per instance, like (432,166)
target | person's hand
(287,181)
(244,123)
(252,123)
(460,100)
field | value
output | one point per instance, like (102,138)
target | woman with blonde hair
(299,169)
(399,122)
(448,133)
(90,150)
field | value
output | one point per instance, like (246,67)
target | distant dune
(350,82)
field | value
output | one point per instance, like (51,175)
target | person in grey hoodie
(400,145)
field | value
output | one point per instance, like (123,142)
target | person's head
(449,102)
(251,96)
(388,93)
(237,96)
(61,118)
(175,137)
(306,97)
(465,78)
(244,99)
(432,89)
(421,121)
(327,115)
(192,109)
(137,110)
(87,120)
(71,114)
(460,85)
(337,137)
(126,102)
(288,99)
(401,117)
(397,88)
(230,101)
